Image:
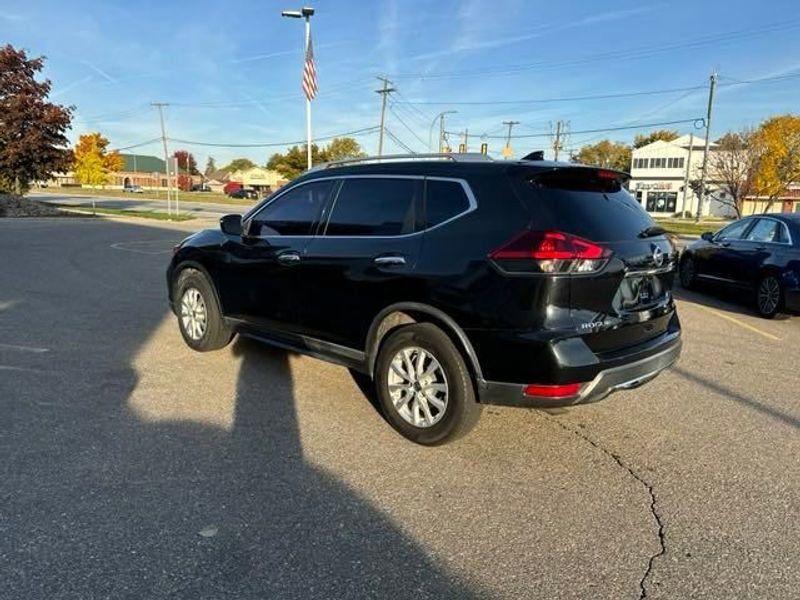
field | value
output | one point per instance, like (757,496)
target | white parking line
(23,348)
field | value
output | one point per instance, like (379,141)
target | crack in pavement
(661,533)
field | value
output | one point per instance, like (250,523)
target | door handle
(388,261)
(288,258)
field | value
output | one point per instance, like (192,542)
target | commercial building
(661,173)
(258,178)
(142,170)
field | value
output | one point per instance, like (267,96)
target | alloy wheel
(194,317)
(769,295)
(418,386)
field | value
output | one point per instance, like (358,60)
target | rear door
(763,241)
(363,256)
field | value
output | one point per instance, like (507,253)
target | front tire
(769,296)
(424,387)
(199,315)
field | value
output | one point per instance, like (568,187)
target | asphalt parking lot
(135,468)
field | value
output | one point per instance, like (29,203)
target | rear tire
(424,388)
(687,272)
(769,296)
(199,315)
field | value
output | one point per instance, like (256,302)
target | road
(136,468)
(198,209)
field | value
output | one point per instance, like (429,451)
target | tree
(340,148)
(734,162)
(295,161)
(777,142)
(607,154)
(211,166)
(642,139)
(32,140)
(186,161)
(93,163)
(239,164)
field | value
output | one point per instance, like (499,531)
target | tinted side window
(765,230)
(375,206)
(295,212)
(444,200)
(734,231)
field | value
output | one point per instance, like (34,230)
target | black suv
(451,281)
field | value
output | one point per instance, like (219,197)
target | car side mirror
(231,224)
(708,236)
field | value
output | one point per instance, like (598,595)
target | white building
(660,176)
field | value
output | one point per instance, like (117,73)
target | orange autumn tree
(93,162)
(778,148)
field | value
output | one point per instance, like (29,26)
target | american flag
(310,73)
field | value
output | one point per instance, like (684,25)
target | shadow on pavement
(733,301)
(748,402)
(97,503)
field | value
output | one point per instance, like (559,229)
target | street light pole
(440,118)
(304,13)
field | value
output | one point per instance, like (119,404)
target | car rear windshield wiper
(652,231)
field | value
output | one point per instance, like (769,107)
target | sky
(231,71)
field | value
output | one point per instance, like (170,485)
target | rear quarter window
(444,200)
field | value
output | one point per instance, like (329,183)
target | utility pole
(557,140)
(687,175)
(703,175)
(507,152)
(439,117)
(384,92)
(160,106)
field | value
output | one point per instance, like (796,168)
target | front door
(363,258)
(261,282)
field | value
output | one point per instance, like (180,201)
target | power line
(132,146)
(364,131)
(698,122)
(398,141)
(404,124)
(561,99)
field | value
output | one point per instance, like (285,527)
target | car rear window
(589,203)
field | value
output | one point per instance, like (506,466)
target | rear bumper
(625,376)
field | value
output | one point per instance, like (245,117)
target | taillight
(550,252)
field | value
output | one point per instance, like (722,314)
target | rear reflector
(550,252)
(553,391)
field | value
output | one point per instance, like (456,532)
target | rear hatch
(625,299)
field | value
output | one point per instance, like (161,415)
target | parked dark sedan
(759,254)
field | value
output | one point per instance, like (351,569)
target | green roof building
(142,163)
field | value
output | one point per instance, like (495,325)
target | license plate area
(641,291)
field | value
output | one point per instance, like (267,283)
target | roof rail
(454,156)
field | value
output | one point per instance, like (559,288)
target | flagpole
(308,100)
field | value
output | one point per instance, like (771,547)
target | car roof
(438,167)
